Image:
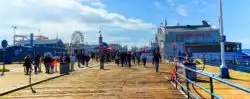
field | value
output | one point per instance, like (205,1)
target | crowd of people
(51,63)
(126,58)
(121,58)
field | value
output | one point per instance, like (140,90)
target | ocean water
(247,51)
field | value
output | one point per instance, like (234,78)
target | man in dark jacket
(47,62)
(27,64)
(156,59)
(122,58)
(83,58)
(126,58)
(138,55)
(102,60)
(133,57)
(37,63)
(129,57)
(67,59)
(87,58)
(78,56)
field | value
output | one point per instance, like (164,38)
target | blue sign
(222,38)
(4,43)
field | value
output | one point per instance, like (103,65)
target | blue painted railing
(211,78)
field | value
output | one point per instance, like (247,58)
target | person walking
(97,56)
(122,58)
(67,59)
(144,59)
(189,56)
(40,64)
(156,59)
(117,58)
(53,65)
(87,58)
(56,65)
(83,58)
(78,56)
(129,57)
(47,62)
(37,63)
(102,60)
(92,56)
(138,55)
(27,64)
(72,65)
(133,57)
(126,58)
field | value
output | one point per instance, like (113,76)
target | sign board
(222,38)
(4,43)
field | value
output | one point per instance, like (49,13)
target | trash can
(64,68)
(190,74)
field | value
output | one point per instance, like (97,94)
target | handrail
(212,61)
(218,79)
(218,97)
(188,90)
(211,77)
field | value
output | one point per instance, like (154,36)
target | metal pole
(211,87)
(14,37)
(33,57)
(223,68)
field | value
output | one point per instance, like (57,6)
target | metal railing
(233,60)
(211,79)
(214,59)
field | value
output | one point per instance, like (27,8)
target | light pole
(223,68)
(33,58)
(14,37)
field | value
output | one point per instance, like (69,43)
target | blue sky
(236,14)
(129,22)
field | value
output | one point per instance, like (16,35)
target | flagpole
(14,37)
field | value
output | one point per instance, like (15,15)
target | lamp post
(33,58)
(14,37)
(223,68)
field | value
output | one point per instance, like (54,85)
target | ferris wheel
(77,38)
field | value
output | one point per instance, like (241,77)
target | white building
(199,38)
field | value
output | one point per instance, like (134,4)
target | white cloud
(158,5)
(64,17)
(171,2)
(97,3)
(182,10)
(204,5)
